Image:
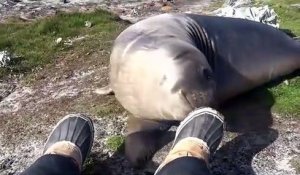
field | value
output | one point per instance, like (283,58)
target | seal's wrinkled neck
(202,41)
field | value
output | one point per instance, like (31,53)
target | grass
(107,110)
(114,142)
(214,5)
(287,97)
(34,44)
(289,17)
(111,107)
(88,165)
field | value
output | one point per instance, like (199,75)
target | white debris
(284,164)
(242,9)
(70,42)
(88,24)
(5,58)
(58,40)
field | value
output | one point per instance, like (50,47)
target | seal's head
(194,83)
(197,82)
(164,80)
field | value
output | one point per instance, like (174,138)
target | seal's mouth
(196,99)
(188,101)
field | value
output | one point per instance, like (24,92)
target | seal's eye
(207,74)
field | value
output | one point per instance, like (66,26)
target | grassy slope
(289,17)
(287,97)
(34,43)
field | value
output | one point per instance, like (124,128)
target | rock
(5,58)
(65,1)
(6,89)
(166,8)
(38,9)
(296,5)
(29,16)
(156,4)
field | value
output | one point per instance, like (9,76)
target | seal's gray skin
(165,66)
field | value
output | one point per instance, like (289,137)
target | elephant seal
(163,67)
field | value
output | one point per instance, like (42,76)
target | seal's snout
(196,99)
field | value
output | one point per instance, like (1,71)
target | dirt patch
(30,111)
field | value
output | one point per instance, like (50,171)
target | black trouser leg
(52,164)
(185,166)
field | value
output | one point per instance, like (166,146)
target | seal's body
(164,66)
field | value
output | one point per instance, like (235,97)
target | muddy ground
(256,141)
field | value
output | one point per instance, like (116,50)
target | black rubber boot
(76,128)
(203,123)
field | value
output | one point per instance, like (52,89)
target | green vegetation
(287,97)
(214,5)
(89,165)
(111,107)
(289,16)
(108,109)
(34,43)
(114,142)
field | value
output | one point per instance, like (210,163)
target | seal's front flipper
(144,138)
(107,90)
